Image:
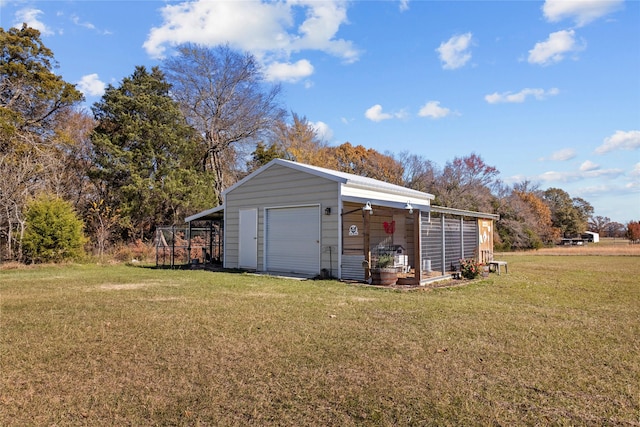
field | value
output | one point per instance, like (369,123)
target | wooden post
(417,247)
(366,237)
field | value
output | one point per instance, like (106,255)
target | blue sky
(545,91)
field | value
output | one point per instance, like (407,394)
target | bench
(497,265)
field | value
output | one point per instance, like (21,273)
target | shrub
(385,261)
(53,231)
(470,268)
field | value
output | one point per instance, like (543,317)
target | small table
(497,265)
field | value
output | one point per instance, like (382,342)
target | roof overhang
(208,215)
(394,204)
(395,197)
(462,212)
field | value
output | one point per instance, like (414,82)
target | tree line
(165,142)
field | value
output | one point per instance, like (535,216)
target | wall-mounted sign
(353,230)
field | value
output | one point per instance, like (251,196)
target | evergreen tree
(53,231)
(263,155)
(146,163)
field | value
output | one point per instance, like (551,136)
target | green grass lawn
(556,341)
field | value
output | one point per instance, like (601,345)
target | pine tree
(146,163)
(54,232)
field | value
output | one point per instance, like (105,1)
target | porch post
(367,249)
(417,246)
(443,246)
(461,237)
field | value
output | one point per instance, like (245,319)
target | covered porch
(425,242)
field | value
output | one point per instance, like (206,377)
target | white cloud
(86,24)
(554,48)
(375,114)
(597,190)
(581,12)
(323,22)
(573,176)
(561,155)
(288,72)
(510,97)
(323,130)
(31,18)
(91,85)
(636,170)
(433,110)
(266,29)
(589,166)
(76,20)
(454,52)
(620,141)
(404,5)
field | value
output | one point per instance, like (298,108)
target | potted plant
(384,273)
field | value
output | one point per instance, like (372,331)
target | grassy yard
(554,342)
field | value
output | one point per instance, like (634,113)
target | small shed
(591,236)
(292,218)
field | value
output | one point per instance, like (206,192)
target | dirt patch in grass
(127,286)
(363,299)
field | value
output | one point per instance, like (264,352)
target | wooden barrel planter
(384,276)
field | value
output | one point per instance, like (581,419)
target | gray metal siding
(471,238)
(453,245)
(352,267)
(432,242)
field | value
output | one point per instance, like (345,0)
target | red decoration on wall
(389,227)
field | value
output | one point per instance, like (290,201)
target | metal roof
(355,188)
(348,179)
(209,214)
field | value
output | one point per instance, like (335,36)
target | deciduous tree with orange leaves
(633,231)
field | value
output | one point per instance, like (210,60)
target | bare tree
(599,224)
(466,183)
(419,173)
(223,95)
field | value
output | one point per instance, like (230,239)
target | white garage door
(293,240)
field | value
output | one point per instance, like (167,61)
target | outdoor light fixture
(368,208)
(327,211)
(409,207)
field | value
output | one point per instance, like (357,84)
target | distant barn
(591,237)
